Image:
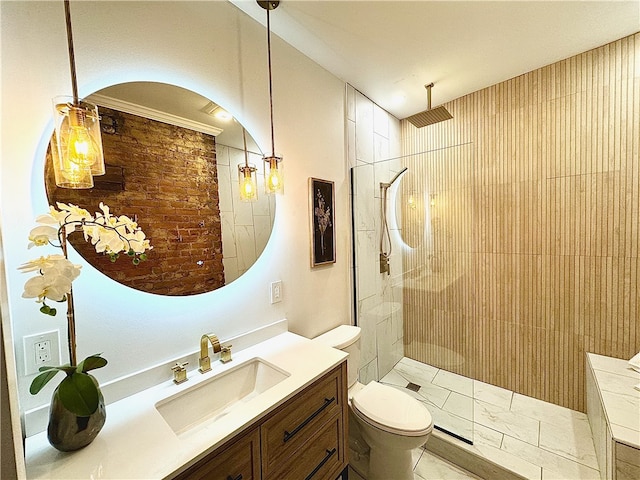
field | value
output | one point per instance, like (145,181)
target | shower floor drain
(413,387)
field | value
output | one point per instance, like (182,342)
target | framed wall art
(323,234)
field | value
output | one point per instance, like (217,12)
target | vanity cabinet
(307,433)
(236,460)
(303,439)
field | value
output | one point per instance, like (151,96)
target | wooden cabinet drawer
(303,439)
(283,434)
(321,457)
(240,460)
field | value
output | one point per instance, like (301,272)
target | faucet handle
(225,354)
(179,372)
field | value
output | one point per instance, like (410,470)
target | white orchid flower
(91,231)
(55,287)
(71,216)
(62,268)
(42,235)
(40,263)
(48,219)
(138,243)
(105,211)
(109,241)
(129,224)
(108,234)
(57,216)
(74,213)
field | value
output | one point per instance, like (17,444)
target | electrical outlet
(40,350)
(43,352)
(276,291)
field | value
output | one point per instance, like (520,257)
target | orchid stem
(71,319)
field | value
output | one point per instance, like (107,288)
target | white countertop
(615,380)
(137,443)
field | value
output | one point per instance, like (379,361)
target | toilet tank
(347,339)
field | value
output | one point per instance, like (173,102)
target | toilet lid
(392,410)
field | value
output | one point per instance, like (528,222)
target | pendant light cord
(273,145)
(72,58)
(246,154)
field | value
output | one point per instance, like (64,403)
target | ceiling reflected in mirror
(172,163)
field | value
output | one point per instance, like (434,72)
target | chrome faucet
(205,361)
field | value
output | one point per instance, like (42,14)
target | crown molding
(153,114)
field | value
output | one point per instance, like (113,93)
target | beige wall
(216,50)
(552,265)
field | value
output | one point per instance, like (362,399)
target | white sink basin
(220,395)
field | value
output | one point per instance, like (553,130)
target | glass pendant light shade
(273,174)
(77,132)
(69,174)
(76,147)
(248,182)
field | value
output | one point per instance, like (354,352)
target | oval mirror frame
(172,165)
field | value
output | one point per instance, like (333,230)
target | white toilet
(391,422)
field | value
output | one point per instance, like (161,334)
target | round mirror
(172,160)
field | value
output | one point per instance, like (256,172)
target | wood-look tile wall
(542,217)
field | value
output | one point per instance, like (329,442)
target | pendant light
(273,168)
(77,145)
(247,175)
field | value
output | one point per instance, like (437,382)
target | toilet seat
(391,410)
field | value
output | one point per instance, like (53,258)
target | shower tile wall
(554,253)
(246,226)
(374,137)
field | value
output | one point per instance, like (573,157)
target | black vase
(67,431)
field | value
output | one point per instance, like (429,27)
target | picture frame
(322,221)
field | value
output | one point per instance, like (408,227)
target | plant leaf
(79,394)
(68,369)
(41,380)
(91,363)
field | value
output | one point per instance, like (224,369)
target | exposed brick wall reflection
(166,175)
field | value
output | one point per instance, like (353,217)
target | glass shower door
(415,316)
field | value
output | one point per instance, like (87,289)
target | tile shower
(552,194)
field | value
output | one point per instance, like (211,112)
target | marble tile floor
(428,466)
(531,438)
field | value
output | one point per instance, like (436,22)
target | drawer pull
(324,460)
(327,402)
(239,477)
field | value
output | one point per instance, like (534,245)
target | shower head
(430,115)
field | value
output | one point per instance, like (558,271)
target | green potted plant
(77,411)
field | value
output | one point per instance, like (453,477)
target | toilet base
(385,464)
(359,462)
